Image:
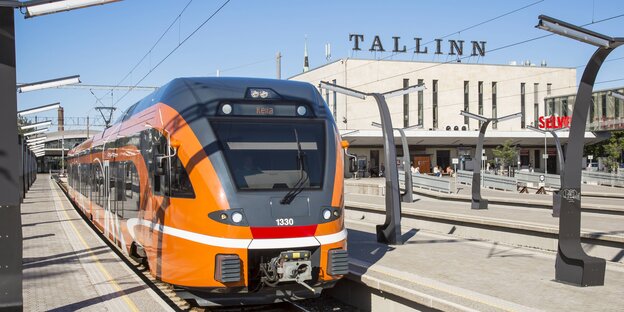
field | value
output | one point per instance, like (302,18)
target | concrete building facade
(484,89)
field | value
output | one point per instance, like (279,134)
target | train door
(106,204)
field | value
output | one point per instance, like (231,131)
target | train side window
(131,209)
(120,181)
(180,183)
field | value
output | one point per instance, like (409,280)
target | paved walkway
(455,274)
(67,267)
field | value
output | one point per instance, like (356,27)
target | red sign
(554,122)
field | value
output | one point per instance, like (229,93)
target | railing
(500,182)
(428,182)
(532,179)
(464,177)
(601,178)
(497,182)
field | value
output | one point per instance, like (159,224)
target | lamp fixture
(574,32)
(45,84)
(39,109)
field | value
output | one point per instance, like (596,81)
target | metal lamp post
(390,231)
(408,197)
(557,195)
(477,201)
(573,265)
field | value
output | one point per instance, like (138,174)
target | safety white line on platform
(101,279)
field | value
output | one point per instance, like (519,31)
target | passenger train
(229,189)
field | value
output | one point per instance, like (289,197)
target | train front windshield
(264,155)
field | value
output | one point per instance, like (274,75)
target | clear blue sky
(103,43)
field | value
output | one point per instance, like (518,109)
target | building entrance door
(423,163)
(443,159)
(374,163)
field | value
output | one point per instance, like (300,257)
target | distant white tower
(306,64)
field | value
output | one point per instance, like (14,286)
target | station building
(485,89)
(56,145)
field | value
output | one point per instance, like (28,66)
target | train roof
(183,93)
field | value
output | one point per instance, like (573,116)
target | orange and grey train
(230,189)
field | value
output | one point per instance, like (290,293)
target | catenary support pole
(390,231)
(477,201)
(408,197)
(573,265)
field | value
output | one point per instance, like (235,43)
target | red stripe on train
(283,231)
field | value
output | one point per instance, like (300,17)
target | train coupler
(289,266)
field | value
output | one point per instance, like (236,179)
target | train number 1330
(285,221)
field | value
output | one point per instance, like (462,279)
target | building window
(564,107)
(535,104)
(466,100)
(405,105)
(522,105)
(616,108)
(480,101)
(421,104)
(334,108)
(548,89)
(537,159)
(494,112)
(604,106)
(435,103)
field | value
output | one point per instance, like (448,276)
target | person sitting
(436,171)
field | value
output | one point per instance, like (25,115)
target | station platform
(67,267)
(443,272)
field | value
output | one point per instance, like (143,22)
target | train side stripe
(268,243)
(332,238)
(192,236)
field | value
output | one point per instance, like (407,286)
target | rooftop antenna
(106,111)
(328,52)
(306,64)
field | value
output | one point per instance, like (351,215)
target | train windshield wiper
(303,176)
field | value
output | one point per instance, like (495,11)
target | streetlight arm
(342,90)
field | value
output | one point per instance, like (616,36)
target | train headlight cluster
(258,93)
(237,217)
(301,110)
(226,109)
(326,214)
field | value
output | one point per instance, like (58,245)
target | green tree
(611,149)
(506,152)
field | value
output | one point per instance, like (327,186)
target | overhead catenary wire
(174,49)
(149,51)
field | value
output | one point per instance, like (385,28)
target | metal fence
(464,177)
(500,182)
(428,182)
(497,182)
(602,178)
(532,179)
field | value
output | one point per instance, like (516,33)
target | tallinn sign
(455,47)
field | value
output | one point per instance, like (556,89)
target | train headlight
(326,214)
(237,217)
(223,216)
(301,110)
(226,109)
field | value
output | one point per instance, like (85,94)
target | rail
(428,182)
